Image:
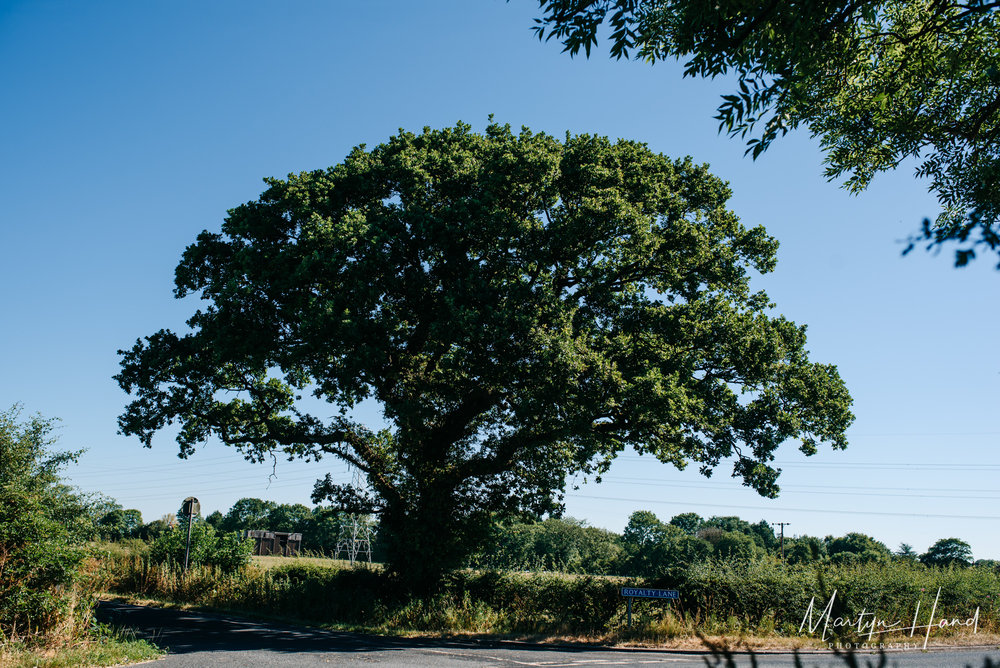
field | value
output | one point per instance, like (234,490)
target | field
(268,562)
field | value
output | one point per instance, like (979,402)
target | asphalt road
(201,640)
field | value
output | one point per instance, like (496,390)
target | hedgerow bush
(43,526)
(228,552)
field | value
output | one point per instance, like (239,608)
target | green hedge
(759,597)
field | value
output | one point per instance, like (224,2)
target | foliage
(565,545)
(906,552)
(225,551)
(102,646)
(520,307)
(857,548)
(248,514)
(761,532)
(119,524)
(156,528)
(290,517)
(645,529)
(689,523)
(804,550)
(474,601)
(652,548)
(322,531)
(759,596)
(320,526)
(948,552)
(736,546)
(878,81)
(43,525)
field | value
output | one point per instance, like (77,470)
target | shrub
(43,525)
(228,552)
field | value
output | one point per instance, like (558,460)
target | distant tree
(556,544)
(248,513)
(154,529)
(571,546)
(215,519)
(672,554)
(689,523)
(644,543)
(678,553)
(290,517)
(728,523)
(735,545)
(644,528)
(120,523)
(804,550)
(710,533)
(322,531)
(761,533)
(948,552)
(521,307)
(877,81)
(856,548)
(906,552)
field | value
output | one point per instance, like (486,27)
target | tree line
(320,526)
(648,546)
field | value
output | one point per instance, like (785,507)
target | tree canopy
(520,308)
(878,81)
(948,552)
(856,547)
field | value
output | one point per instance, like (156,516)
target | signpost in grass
(642,592)
(191,507)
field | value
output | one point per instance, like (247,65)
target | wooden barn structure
(277,543)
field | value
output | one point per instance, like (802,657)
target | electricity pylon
(354,539)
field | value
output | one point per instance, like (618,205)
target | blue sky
(127,128)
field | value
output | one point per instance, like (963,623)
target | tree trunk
(425,540)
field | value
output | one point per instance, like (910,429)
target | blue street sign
(634,592)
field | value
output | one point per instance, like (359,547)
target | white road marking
(555,664)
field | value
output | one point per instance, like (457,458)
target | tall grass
(758,598)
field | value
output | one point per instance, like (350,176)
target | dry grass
(268,562)
(112,648)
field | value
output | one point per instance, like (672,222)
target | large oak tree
(520,307)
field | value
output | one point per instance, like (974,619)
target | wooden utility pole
(782,525)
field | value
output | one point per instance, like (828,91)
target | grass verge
(107,647)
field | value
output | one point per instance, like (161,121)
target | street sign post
(644,592)
(190,507)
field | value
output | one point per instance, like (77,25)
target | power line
(734,486)
(786,490)
(233,483)
(783,509)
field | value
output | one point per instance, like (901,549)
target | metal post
(189,507)
(187,550)
(629,606)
